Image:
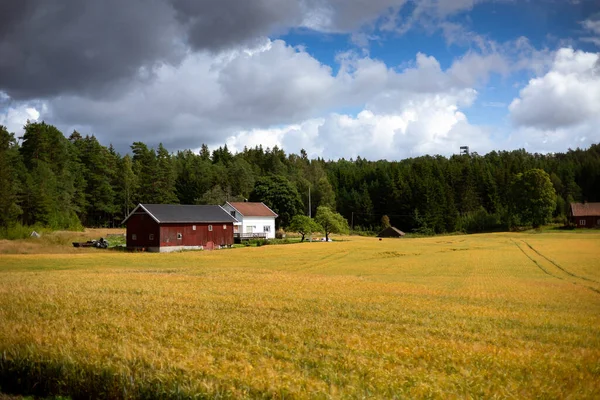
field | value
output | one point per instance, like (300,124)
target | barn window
(233,214)
(582,222)
(210,228)
(193,227)
(224,227)
(133,236)
(267,228)
(179,236)
(151,236)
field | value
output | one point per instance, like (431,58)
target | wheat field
(510,315)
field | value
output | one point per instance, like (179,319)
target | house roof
(585,209)
(391,231)
(176,213)
(248,209)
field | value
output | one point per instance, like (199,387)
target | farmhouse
(169,227)
(585,215)
(255,219)
(391,232)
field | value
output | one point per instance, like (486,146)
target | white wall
(257,223)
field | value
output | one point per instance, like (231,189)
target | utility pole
(309,214)
(309,206)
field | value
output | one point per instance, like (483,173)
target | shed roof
(390,231)
(248,209)
(585,209)
(177,213)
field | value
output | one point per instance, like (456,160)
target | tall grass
(440,317)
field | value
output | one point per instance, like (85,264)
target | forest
(58,182)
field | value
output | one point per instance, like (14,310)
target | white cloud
(15,116)
(404,113)
(593,27)
(560,109)
(568,95)
(275,94)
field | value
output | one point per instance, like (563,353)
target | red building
(169,227)
(585,215)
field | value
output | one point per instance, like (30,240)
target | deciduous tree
(304,225)
(331,222)
(534,197)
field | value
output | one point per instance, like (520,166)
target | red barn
(169,227)
(585,215)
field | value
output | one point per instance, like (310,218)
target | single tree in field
(533,197)
(331,222)
(304,225)
(385,222)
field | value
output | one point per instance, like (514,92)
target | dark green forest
(59,182)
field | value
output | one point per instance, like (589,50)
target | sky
(379,79)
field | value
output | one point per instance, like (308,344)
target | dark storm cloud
(75,46)
(90,47)
(216,25)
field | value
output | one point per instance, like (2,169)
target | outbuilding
(391,232)
(170,227)
(585,215)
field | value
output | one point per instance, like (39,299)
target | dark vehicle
(99,244)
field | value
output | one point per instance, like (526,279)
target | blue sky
(380,79)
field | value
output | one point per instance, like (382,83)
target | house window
(179,236)
(267,228)
(151,236)
(210,228)
(133,236)
(224,227)
(193,227)
(582,222)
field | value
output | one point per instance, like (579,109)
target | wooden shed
(169,227)
(585,215)
(391,232)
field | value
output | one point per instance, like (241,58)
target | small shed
(585,215)
(391,232)
(174,227)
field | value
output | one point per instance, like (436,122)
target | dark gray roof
(391,232)
(176,213)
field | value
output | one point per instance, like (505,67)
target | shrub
(18,231)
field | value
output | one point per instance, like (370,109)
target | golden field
(490,316)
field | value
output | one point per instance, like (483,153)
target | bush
(18,231)
(258,242)
(280,234)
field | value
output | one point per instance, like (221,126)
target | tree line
(48,179)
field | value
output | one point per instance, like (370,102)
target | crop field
(509,315)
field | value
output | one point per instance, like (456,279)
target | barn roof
(585,209)
(390,231)
(248,209)
(176,213)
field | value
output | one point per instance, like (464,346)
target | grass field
(490,316)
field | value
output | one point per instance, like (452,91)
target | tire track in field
(547,271)
(535,262)
(560,267)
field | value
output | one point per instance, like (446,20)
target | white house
(254,218)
